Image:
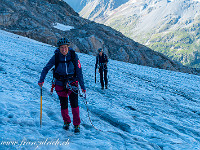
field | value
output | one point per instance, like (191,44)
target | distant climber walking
(101,64)
(67,74)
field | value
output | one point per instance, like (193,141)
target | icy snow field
(143,109)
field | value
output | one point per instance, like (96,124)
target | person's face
(100,53)
(64,49)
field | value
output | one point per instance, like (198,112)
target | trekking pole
(41,107)
(95,74)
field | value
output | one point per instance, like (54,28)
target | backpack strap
(73,55)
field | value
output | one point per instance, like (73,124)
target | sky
(143,108)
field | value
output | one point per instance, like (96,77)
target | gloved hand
(84,91)
(41,84)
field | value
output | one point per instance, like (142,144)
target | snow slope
(144,108)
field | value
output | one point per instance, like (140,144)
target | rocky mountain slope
(37,19)
(167,26)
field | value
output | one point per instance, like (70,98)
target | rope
(77,91)
(85,102)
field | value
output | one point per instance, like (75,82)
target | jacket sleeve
(46,69)
(79,73)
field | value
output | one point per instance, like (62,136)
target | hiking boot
(76,129)
(66,125)
(106,87)
(102,87)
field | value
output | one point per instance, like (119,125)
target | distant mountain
(48,20)
(93,7)
(168,26)
(98,9)
(77,5)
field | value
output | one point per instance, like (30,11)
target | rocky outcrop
(36,19)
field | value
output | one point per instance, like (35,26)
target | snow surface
(143,109)
(63,27)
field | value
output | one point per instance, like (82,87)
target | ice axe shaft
(40,107)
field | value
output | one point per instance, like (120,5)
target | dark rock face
(36,19)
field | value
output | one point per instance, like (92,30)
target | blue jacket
(64,68)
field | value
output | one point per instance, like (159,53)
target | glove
(41,84)
(84,91)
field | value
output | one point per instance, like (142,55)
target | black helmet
(63,41)
(100,50)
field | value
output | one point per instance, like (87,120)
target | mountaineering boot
(66,125)
(76,129)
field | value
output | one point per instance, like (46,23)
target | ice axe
(40,107)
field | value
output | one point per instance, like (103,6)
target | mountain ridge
(33,20)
